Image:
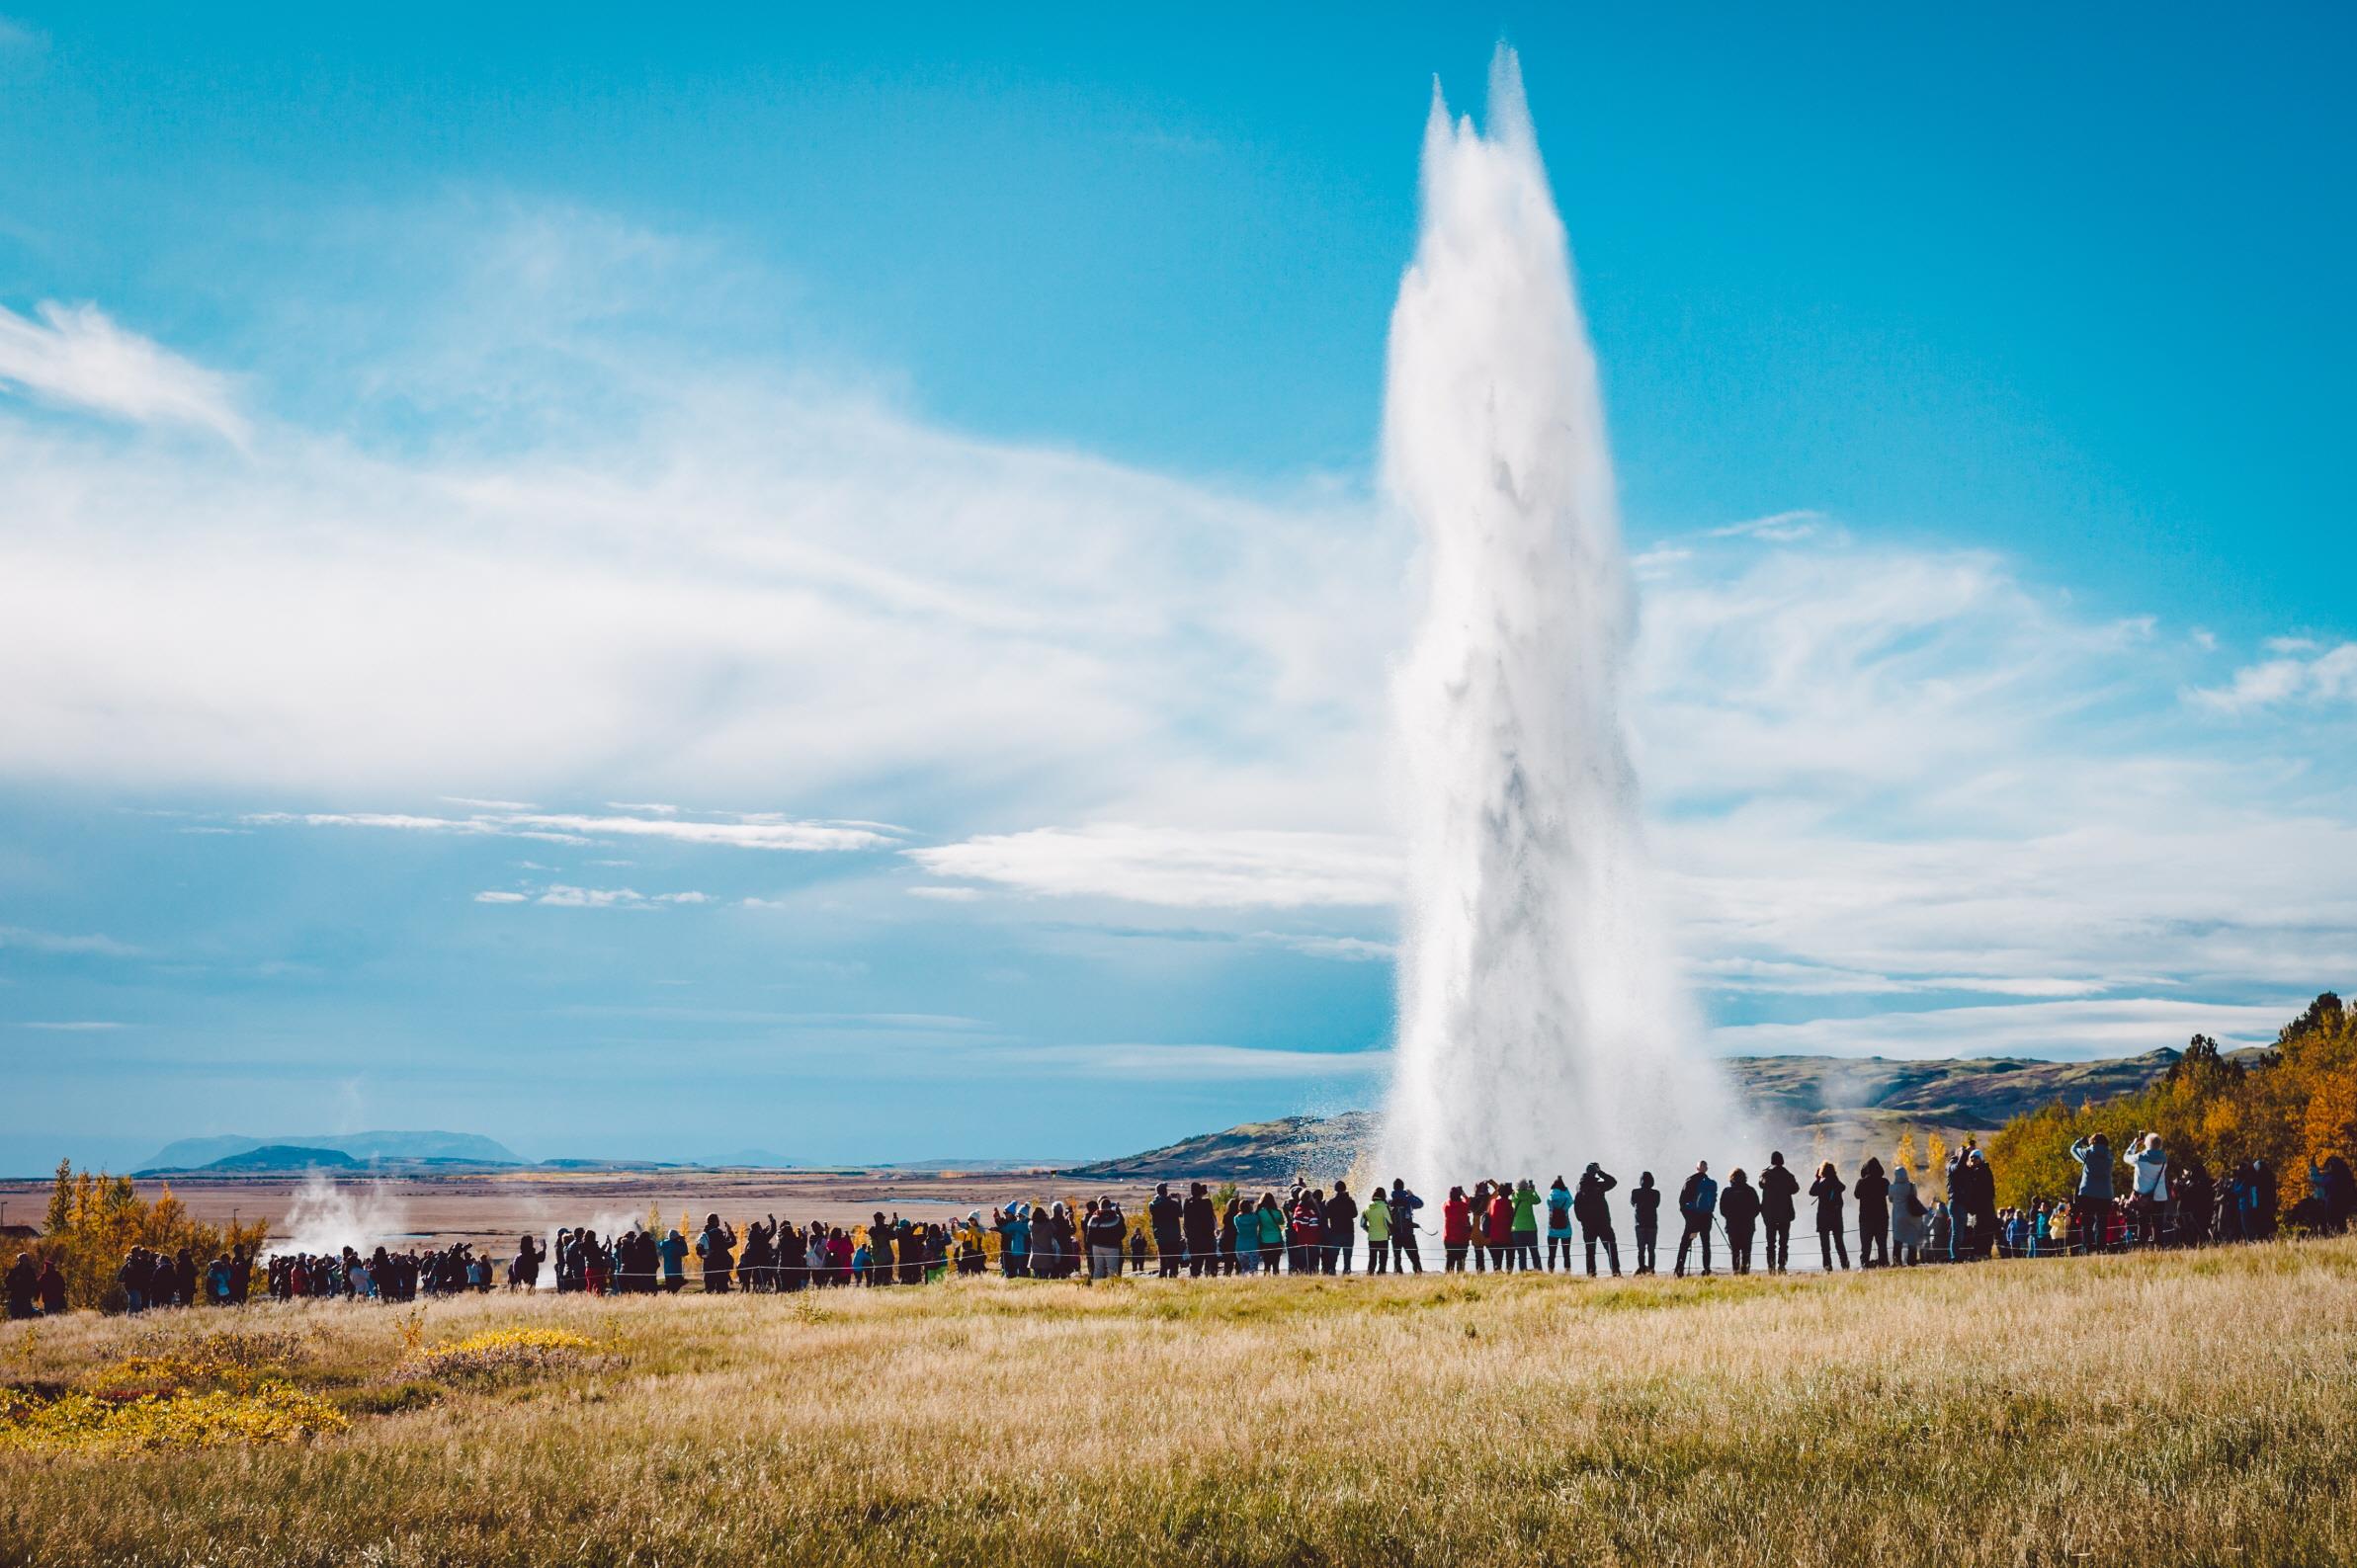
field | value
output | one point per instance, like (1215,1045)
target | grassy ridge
(2193,1408)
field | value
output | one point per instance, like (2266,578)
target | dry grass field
(2192,1408)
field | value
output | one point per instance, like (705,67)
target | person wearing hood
(1827,1190)
(1738,1211)
(1698,1206)
(1872,1193)
(1777,1187)
(1559,1225)
(1908,1214)
(674,1253)
(24,1285)
(1644,1210)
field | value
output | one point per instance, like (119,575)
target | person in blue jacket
(1698,1205)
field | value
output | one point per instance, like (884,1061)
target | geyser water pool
(1542,1022)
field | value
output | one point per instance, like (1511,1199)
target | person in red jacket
(1457,1230)
(1500,1232)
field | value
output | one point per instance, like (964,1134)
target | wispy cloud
(75,357)
(1781,527)
(2300,672)
(91,945)
(564,895)
(750,831)
(74,1026)
(2059,1029)
(1178,867)
(1174,1063)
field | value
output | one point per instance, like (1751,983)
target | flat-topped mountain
(358,1148)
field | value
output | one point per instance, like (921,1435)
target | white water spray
(1541,1024)
(323,1217)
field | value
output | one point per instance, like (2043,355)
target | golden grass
(2196,1408)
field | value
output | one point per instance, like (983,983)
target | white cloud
(683,898)
(74,1026)
(744,831)
(74,357)
(2300,672)
(498,896)
(1183,1063)
(1350,950)
(1178,867)
(44,942)
(945,895)
(656,573)
(560,895)
(674,572)
(1782,527)
(2062,1030)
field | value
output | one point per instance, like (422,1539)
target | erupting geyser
(1541,1024)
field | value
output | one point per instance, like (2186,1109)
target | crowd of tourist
(1495,1226)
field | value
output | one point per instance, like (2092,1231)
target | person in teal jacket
(1559,1225)
(673,1250)
(1272,1233)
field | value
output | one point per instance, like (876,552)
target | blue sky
(933,460)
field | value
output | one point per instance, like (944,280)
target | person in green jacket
(1376,1220)
(1522,1246)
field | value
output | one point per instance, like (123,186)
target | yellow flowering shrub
(274,1412)
(501,1352)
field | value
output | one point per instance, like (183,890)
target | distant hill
(1853,1102)
(362,1148)
(280,1157)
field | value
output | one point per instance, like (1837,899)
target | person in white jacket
(2150,1204)
(1909,1217)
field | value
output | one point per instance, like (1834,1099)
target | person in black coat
(1873,1198)
(1163,1218)
(1341,1230)
(1645,1206)
(1593,1211)
(1827,1190)
(1777,1187)
(1403,1206)
(1973,1199)
(2190,1186)
(1738,1211)
(24,1285)
(1199,1220)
